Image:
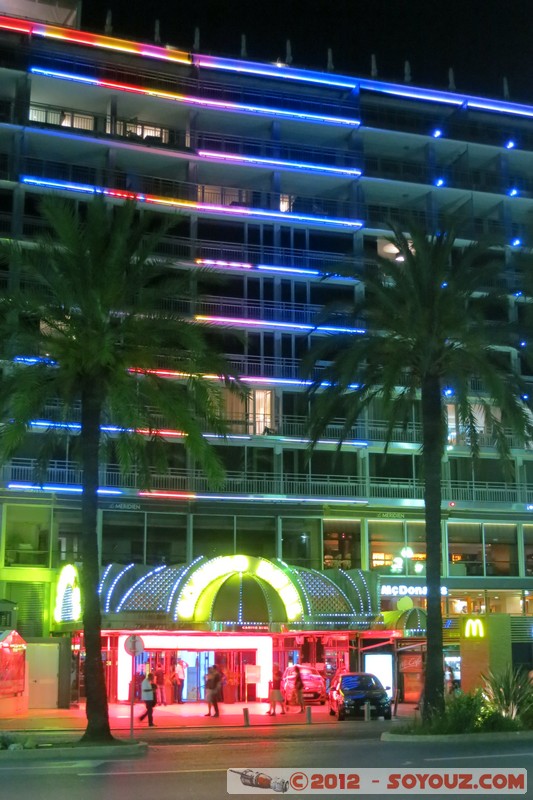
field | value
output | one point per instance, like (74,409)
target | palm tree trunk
(433,442)
(97,711)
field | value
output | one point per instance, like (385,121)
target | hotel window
(256,536)
(139,131)
(66,119)
(465,549)
(166,538)
(213,535)
(123,537)
(27,536)
(224,195)
(528,548)
(302,544)
(342,544)
(386,538)
(501,551)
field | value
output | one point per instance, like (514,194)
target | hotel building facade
(273,177)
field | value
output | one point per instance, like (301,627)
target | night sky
(483,40)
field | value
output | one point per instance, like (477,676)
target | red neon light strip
(93,40)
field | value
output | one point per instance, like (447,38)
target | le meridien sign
(404,590)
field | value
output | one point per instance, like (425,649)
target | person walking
(212,682)
(160,683)
(275,696)
(148,696)
(298,689)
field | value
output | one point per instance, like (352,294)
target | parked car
(314,690)
(350,691)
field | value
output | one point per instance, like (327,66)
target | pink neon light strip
(175,203)
(200,101)
(93,40)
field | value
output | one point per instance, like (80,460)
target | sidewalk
(181,720)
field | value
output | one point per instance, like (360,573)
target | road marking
(475,758)
(153,772)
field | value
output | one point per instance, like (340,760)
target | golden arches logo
(474,629)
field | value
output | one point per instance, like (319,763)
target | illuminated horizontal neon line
(94,40)
(292,270)
(258,323)
(448,98)
(190,204)
(50,487)
(218,262)
(246,67)
(274,162)
(75,427)
(221,105)
(273,71)
(251,498)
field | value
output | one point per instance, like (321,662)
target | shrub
(464,713)
(509,692)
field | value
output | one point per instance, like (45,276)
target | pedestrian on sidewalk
(179,680)
(297,694)
(212,682)
(160,683)
(275,696)
(148,695)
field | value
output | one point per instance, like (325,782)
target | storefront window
(485,602)
(342,544)
(166,538)
(386,543)
(465,551)
(213,536)
(27,536)
(416,548)
(500,602)
(256,536)
(123,537)
(528,548)
(302,544)
(66,528)
(501,553)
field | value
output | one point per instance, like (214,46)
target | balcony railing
(61,473)
(222,195)
(152,132)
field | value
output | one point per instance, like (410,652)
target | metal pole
(308,717)
(246,715)
(132,688)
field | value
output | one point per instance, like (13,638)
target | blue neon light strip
(305,166)
(282,216)
(202,102)
(345,82)
(52,487)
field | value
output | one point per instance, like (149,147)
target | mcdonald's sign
(474,628)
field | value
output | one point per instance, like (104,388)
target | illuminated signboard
(68,595)
(474,628)
(403,590)
(209,575)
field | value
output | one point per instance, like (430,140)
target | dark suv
(314,690)
(351,690)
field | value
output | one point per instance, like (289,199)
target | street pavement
(187,722)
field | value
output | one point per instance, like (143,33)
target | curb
(75,752)
(458,737)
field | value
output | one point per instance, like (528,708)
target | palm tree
(98,309)
(426,326)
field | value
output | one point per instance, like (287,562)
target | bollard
(308,716)
(246,715)
(368,716)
